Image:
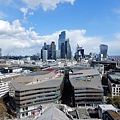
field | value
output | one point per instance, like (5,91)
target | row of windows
(36,93)
(52,95)
(116,89)
(37,101)
(35,90)
(24,114)
(89,96)
(116,94)
(25,108)
(3,83)
(84,89)
(95,92)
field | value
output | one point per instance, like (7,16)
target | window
(23,115)
(113,89)
(26,114)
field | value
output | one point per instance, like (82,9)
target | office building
(61,44)
(4,88)
(49,51)
(62,51)
(79,53)
(103,51)
(114,83)
(111,115)
(64,46)
(57,54)
(29,93)
(68,52)
(62,38)
(87,86)
(104,111)
(53,48)
(45,55)
(43,48)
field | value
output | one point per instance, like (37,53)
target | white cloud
(16,40)
(24,10)
(31,13)
(45,4)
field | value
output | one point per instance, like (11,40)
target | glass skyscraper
(53,48)
(103,50)
(68,51)
(64,46)
(62,38)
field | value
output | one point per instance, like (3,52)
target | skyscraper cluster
(64,46)
(47,51)
(63,52)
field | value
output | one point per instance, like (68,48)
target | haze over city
(26,24)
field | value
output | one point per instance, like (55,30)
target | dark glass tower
(62,38)
(68,52)
(53,49)
(63,51)
(103,50)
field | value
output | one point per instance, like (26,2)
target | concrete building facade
(28,93)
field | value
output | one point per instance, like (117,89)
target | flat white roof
(107,107)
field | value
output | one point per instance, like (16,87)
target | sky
(26,24)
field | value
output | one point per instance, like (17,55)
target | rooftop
(106,107)
(114,114)
(53,113)
(86,79)
(38,81)
(115,76)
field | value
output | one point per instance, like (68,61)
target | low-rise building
(114,84)
(103,108)
(28,93)
(87,86)
(4,88)
(112,115)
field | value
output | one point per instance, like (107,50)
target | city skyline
(26,24)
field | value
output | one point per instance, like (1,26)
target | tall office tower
(53,48)
(57,54)
(63,51)
(103,51)
(43,48)
(45,55)
(0,52)
(49,51)
(62,38)
(79,53)
(68,52)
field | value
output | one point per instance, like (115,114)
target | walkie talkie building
(103,50)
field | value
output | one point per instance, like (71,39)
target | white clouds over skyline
(45,4)
(16,40)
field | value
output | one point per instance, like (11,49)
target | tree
(3,110)
(116,101)
(109,99)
